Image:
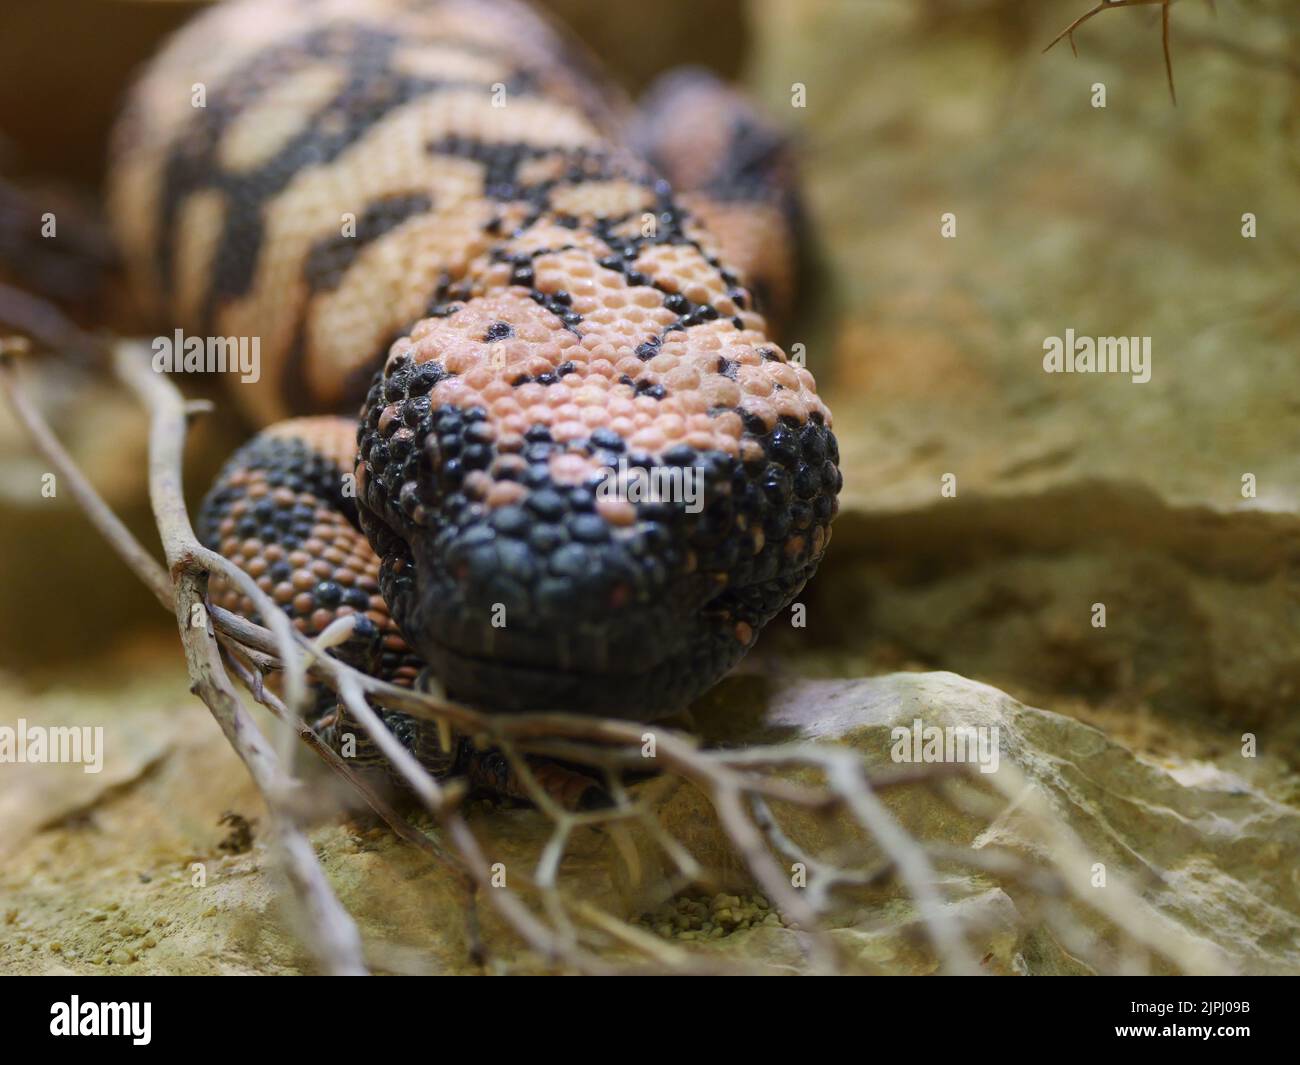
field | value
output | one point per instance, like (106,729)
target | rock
(137,881)
(1174,503)
(1210,854)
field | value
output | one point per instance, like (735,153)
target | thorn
(1164,37)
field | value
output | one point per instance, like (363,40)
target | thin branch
(334,938)
(1106,5)
(110,526)
(739,784)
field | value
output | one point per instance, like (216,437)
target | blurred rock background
(1070,490)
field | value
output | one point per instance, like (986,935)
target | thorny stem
(1105,5)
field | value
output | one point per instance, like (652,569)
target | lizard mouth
(645,690)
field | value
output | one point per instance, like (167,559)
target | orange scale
(703,441)
(504,406)
(592,393)
(628,366)
(505,492)
(672,425)
(600,318)
(527,395)
(618,512)
(594,417)
(719,391)
(762,409)
(624,426)
(458,361)
(687,405)
(573,429)
(505,464)
(481,378)
(513,427)
(783,374)
(756,384)
(648,439)
(644,296)
(791,405)
(682,379)
(387,417)
(477,484)
(540,414)
(568,468)
(498,390)
(497,275)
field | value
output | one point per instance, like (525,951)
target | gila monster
(439,213)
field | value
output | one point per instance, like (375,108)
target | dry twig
(1106,5)
(741,785)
